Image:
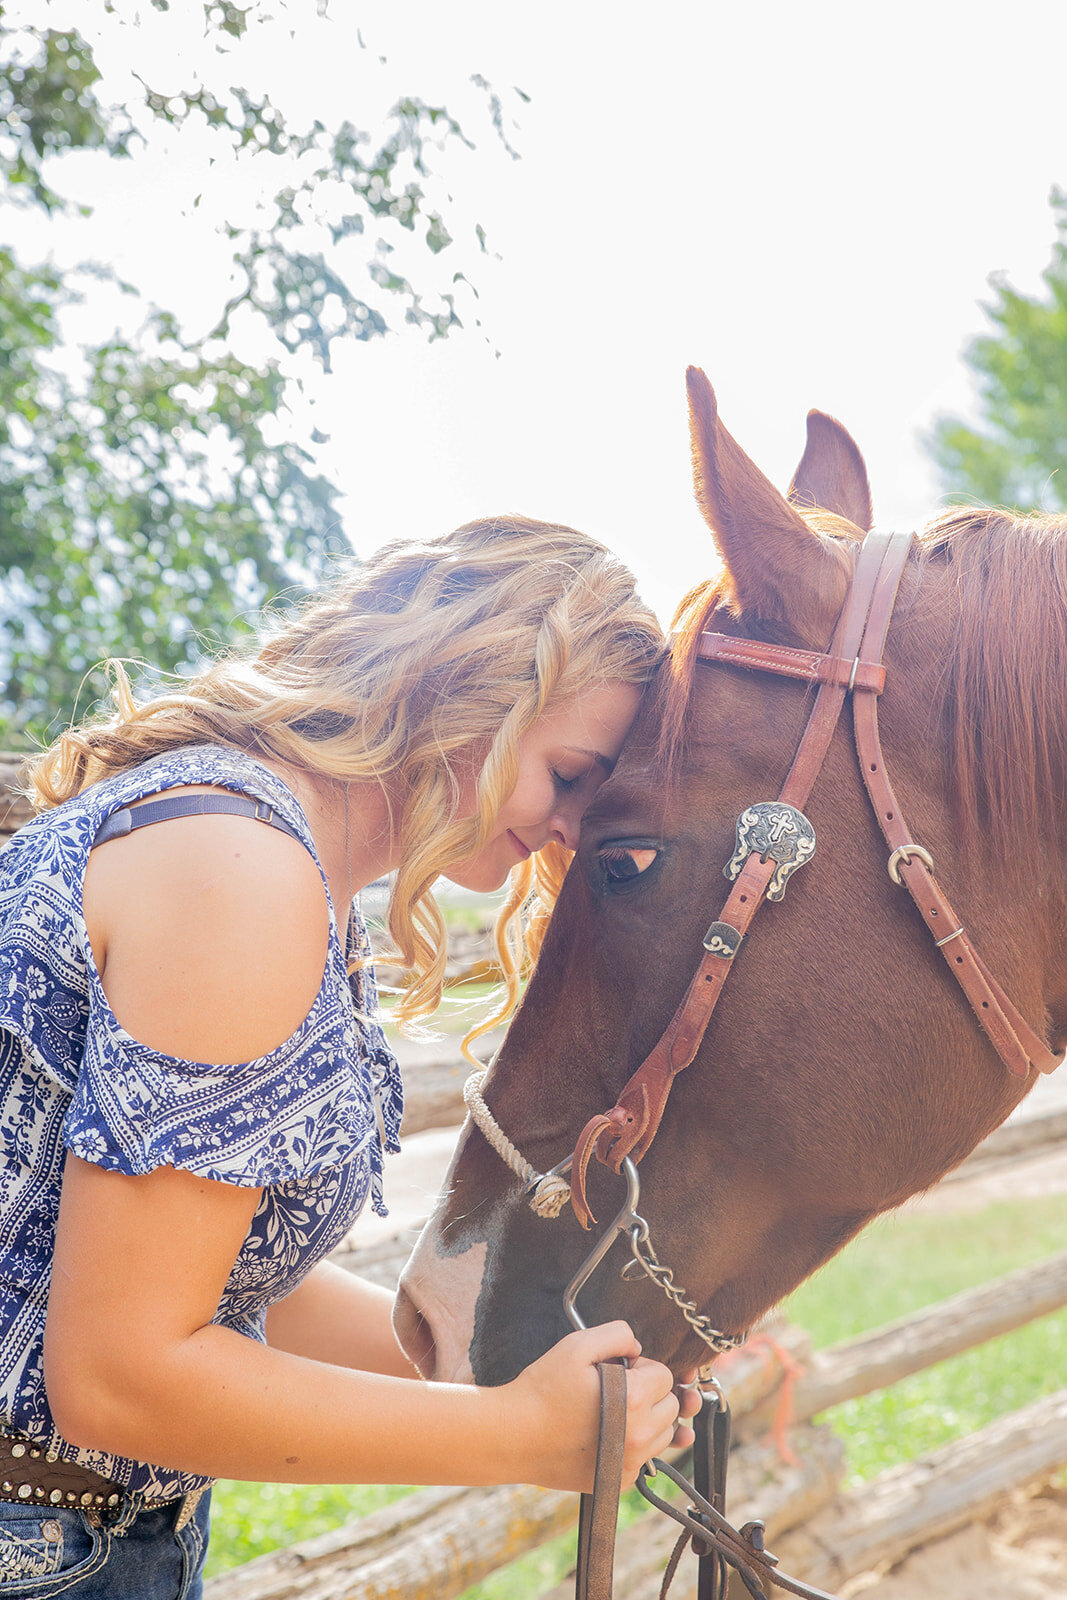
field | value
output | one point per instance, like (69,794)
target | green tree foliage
(150,499)
(142,509)
(1018,455)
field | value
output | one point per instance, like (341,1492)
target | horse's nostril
(414,1333)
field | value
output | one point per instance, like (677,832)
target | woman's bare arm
(134,1365)
(337,1317)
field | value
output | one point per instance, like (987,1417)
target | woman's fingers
(652,1413)
(562,1385)
(606,1342)
(690,1400)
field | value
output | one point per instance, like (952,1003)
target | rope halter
(547,1192)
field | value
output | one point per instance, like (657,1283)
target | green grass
(469,918)
(903,1263)
(248,1519)
(897,1266)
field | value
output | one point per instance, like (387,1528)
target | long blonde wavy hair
(405,669)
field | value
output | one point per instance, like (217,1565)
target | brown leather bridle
(775,838)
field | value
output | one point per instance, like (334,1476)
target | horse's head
(842,1071)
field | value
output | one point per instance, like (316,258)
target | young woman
(196,1091)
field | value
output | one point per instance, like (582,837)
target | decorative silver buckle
(776,832)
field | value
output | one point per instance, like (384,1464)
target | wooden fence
(435,1543)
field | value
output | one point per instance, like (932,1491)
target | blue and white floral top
(299,1122)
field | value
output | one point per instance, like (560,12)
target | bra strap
(123,822)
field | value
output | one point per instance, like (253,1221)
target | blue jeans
(46,1553)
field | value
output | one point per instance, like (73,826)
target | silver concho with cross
(776,832)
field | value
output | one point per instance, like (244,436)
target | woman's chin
(479,879)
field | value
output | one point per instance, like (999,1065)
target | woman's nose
(565,823)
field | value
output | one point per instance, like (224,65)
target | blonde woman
(196,1089)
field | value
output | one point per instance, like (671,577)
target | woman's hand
(554,1408)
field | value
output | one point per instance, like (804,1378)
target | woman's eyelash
(565,783)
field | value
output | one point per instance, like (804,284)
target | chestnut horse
(842,1070)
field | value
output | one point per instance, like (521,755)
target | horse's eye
(621,862)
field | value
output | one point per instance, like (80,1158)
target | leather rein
(774,838)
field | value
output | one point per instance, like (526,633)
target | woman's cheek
(533,802)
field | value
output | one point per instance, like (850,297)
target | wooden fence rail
(928,1498)
(878,1523)
(878,1359)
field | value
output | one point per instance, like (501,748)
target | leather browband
(853,664)
(790,663)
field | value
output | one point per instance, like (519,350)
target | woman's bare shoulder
(209,933)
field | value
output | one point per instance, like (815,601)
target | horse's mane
(1005,677)
(689,621)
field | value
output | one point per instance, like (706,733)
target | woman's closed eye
(563,784)
(621,863)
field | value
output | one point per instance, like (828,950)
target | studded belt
(30,1475)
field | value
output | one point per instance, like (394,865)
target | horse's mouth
(414,1335)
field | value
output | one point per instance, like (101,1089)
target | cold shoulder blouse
(306,1122)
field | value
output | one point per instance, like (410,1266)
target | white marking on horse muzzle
(547,1193)
(433,1316)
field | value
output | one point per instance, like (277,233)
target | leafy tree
(1018,455)
(149,496)
(142,508)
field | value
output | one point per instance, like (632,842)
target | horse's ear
(832,473)
(778,568)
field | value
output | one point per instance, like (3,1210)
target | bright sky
(805,199)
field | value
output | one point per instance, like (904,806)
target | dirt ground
(1021,1551)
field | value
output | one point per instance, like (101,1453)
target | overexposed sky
(805,199)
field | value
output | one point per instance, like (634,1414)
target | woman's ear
(778,569)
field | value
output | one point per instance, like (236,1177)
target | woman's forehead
(594,723)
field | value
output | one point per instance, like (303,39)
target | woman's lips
(520,847)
